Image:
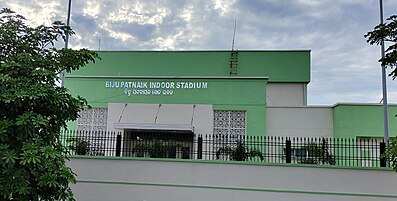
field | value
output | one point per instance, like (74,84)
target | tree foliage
(391,153)
(33,109)
(317,154)
(157,148)
(239,152)
(386,32)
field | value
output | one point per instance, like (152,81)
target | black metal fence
(362,152)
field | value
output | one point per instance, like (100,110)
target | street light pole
(384,89)
(66,42)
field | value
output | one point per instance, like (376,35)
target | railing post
(200,147)
(323,151)
(382,151)
(118,145)
(288,151)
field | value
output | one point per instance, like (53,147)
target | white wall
(299,121)
(164,180)
(286,94)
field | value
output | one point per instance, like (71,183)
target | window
(229,122)
(94,119)
(296,153)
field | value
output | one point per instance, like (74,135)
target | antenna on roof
(234,32)
(233,54)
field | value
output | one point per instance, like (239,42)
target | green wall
(247,94)
(351,120)
(279,66)
(223,93)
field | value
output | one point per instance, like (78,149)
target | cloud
(344,66)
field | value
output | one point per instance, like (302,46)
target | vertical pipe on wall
(118,145)
(304,85)
(200,147)
(288,150)
(383,162)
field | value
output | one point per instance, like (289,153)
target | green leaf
(9,157)
(387,33)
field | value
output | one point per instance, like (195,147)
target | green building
(159,102)
(257,93)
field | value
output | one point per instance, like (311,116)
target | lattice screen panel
(229,122)
(94,119)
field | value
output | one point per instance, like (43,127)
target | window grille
(229,122)
(92,127)
(94,119)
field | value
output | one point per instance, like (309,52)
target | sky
(344,68)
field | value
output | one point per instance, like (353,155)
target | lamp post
(384,89)
(66,42)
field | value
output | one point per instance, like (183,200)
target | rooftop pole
(66,42)
(384,89)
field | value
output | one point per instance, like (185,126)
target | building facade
(183,94)
(257,93)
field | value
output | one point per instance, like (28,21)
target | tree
(33,109)
(386,32)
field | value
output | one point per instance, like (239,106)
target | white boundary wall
(178,180)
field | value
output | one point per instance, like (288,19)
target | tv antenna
(234,53)
(234,32)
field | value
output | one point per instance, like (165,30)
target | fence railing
(322,151)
